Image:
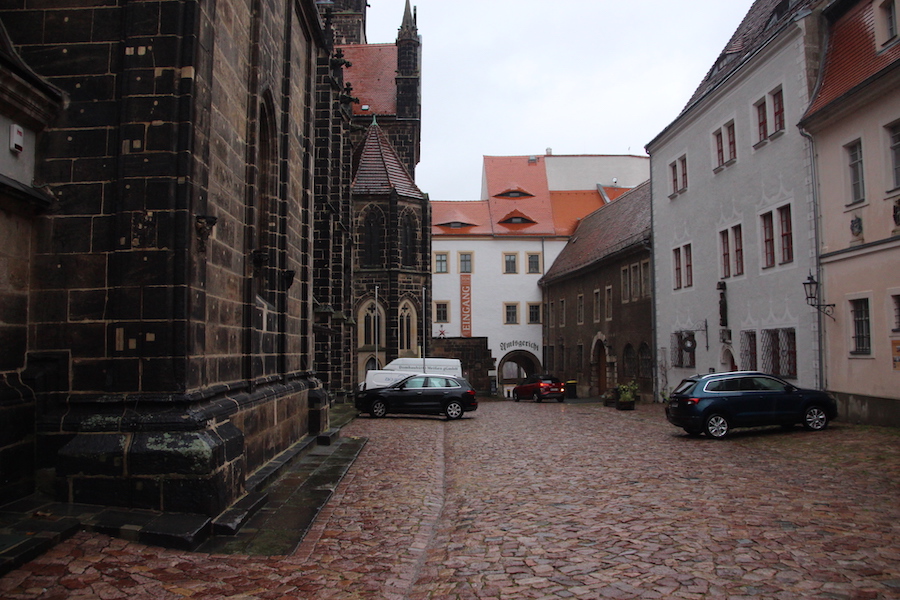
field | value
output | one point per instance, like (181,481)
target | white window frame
(515,258)
(506,313)
(446,263)
(540,263)
(459,261)
(446,303)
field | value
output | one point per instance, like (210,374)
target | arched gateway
(514,367)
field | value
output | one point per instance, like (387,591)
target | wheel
(815,418)
(716,426)
(379,408)
(560,399)
(454,410)
(536,397)
(515,396)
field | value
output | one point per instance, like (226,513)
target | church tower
(392,273)
(348,19)
(387,81)
(408,68)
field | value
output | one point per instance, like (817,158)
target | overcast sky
(515,77)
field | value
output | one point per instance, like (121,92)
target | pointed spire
(408,29)
(380,169)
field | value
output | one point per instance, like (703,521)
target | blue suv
(716,403)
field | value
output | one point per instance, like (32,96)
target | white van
(379,379)
(442,366)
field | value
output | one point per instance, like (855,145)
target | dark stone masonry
(178,307)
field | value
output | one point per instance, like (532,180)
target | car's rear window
(685,386)
(550,379)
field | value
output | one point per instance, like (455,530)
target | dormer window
(455,224)
(724,60)
(779,11)
(886,23)
(518,193)
(517,221)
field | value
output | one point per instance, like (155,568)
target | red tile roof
(852,57)
(605,231)
(553,213)
(570,206)
(380,170)
(503,174)
(373,75)
(476,213)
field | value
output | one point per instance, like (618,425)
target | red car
(540,387)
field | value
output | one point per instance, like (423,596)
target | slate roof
(380,170)
(373,75)
(852,58)
(604,232)
(762,22)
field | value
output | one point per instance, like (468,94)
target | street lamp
(811,288)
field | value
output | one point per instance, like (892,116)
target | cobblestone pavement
(524,500)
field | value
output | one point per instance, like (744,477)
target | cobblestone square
(573,500)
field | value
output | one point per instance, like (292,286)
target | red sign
(465,303)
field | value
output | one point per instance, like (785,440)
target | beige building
(854,118)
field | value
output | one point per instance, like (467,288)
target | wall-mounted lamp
(811,288)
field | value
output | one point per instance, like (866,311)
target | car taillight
(470,393)
(691,400)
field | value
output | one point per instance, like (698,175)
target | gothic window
(372,331)
(264,257)
(373,233)
(407,326)
(408,241)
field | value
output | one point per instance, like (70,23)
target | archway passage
(514,367)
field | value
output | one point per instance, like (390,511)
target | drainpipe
(820,338)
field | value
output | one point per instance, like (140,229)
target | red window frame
(688,266)
(676,263)
(726,254)
(787,238)
(674,168)
(732,141)
(768,231)
(720,148)
(738,236)
(762,121)
(684,179)
(778,110)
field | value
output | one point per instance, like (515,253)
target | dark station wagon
(420,394)
(718,402)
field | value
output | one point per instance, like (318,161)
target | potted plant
(627,395)
(610,397)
